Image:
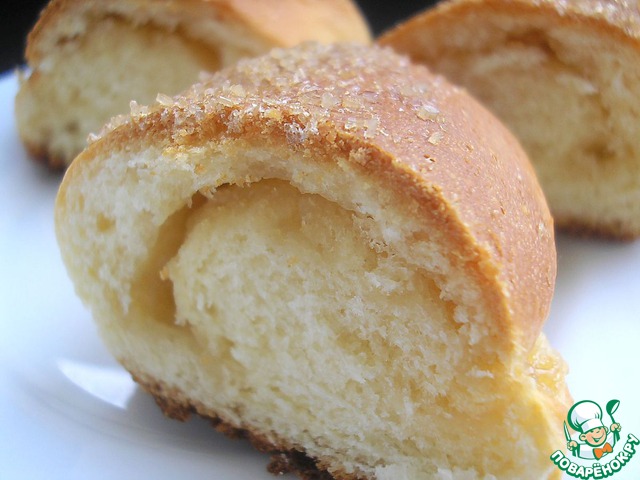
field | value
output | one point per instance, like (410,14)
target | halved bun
(90,58)
(334,251)
(565,78)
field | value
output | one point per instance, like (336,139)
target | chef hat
(585,415)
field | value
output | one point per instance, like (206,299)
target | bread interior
(279,312)
(91,77)
(568,91)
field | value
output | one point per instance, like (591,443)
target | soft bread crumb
(86,82)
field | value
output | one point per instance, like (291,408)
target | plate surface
(68,411)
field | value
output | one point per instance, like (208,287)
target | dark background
(20,15)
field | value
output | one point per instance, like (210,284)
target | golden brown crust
(283,458)
(320,20)
(466,173)
(620,18)
(284,23)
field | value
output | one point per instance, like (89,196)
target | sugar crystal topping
(164,100)
(342,85)
(311,90)
(329,101)
(436,137)
(426,111)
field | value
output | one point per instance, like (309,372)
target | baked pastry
(565,78)
(333,252)
(90,58)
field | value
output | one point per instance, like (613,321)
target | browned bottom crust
(284,459)
(616,232)
(40,154)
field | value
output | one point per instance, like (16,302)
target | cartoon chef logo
(596,440)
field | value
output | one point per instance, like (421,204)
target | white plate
(67,410)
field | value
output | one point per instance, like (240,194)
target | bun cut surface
(565,78)
(88,59)
(332,252)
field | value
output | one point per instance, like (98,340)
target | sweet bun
(334,253)
(89,58)
(565,78)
